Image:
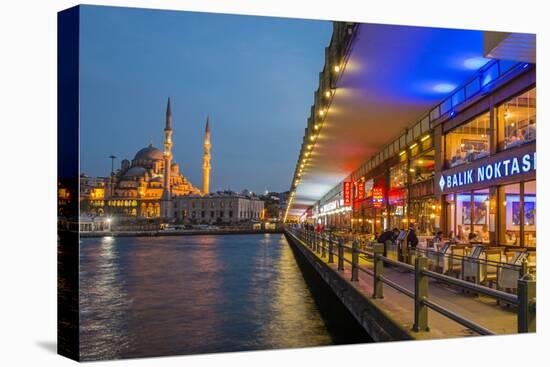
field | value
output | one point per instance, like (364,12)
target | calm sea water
(153,296)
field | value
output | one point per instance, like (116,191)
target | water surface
(152,296)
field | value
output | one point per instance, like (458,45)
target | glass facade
(468,142)
(518,214)
(518,118)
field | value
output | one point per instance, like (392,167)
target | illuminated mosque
(145,186)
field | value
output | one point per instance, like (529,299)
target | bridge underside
(394,75)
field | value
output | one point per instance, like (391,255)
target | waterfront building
(225,207)
(144,187)
(466,167)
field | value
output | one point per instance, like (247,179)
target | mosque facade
(146,186)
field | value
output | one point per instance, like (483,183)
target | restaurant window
(422,168)
(398,175)
(470,218)
(517,198)
(468,142)
(518,119)
(425,214)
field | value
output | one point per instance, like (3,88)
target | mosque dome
(135,172)
(149,153)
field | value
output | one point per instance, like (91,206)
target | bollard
(330,249)
(340,254)
(378,250)
(527,296)
(420,294)
(323,244)
(354,261)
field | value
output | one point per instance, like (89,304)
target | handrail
(525,300)
(490,292)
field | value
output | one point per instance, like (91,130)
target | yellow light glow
(420,162)
(316,127)
(432,215)
(425,138)
(411,170)
(309,146)
(403,152)
(413,146)
(336,68)
(312,138)
(327,94)
(321,112)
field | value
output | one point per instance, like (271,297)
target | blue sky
(254,77)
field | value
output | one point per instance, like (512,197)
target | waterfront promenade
(398,308)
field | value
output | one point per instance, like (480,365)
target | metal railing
(336,246)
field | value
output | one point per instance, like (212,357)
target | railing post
(330,249)
(317,242)
(340,254)
(323,244)
(420,294)
(527,294)
(354,261)
(378,250)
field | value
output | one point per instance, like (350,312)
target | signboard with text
(377,197)
(347,193)
(488,171)
(360,191)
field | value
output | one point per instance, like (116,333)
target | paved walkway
(485,311)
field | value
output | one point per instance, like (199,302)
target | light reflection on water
(151,296)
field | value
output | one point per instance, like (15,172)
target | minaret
(206,159)
(166,195)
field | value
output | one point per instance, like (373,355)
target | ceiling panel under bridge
(393,76)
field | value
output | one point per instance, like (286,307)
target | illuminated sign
(368,187)
(329,206)
(360,191)
(347,193)
(502,168)
(377,197)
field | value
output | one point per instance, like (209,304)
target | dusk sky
(254,76)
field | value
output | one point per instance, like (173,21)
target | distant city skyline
(253,76)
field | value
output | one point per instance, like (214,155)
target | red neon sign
(377,197)
(347,193)
(360,191)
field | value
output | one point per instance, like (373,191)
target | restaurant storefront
(487,182)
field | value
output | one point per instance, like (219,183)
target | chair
(489,270)
(471,265)
(441,255)
(510,273)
